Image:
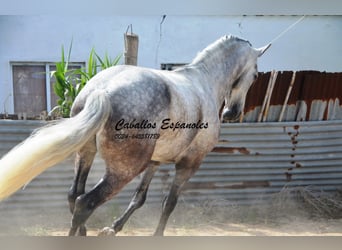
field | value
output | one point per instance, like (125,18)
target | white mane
(220,45)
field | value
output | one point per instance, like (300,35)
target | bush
(70,82)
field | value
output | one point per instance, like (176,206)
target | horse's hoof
(107,231)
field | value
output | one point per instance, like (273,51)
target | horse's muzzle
(232,114)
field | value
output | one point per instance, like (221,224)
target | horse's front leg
(83,162)
(184,170)
(137,201)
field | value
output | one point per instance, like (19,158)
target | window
(33,87)
(171,66)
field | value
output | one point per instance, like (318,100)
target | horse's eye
(236,83)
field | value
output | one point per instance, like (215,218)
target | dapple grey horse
(137,119)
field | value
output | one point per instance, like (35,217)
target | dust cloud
(299,212)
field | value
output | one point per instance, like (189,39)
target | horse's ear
(262,50)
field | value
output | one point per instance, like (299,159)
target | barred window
(33,87)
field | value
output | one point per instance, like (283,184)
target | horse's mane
(219,45)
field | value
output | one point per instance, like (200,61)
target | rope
(288,28)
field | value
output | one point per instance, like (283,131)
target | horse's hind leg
(137,201)
(112,182)
(184,170)
(83,162)
(85,204)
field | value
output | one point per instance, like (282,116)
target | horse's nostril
(231,114)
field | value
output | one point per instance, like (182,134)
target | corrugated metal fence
(251,162)
(313,96)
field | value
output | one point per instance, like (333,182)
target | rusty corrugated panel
(256,160)
(314,94)
(251,162)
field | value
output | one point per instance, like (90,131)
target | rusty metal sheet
(262,158)
(315,96)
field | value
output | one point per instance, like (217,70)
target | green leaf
(84,76)
(69,54)
(79,87)
(63,57)
(117,59)
(72,94)
(70,82)
(92,67)
(58,88)
(60,68)
(100,60)
(58,91)
(107,62)
(52,73)
(60,80)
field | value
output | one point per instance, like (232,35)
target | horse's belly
(165,152)
(172,147)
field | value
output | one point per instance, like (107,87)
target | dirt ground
(280,217)
(296,228)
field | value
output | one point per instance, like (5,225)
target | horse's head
(246,74)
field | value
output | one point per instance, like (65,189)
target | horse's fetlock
(117,227)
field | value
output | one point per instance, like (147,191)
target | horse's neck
(219,74)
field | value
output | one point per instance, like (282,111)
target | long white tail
(52,144)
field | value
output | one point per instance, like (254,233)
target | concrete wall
(314,44)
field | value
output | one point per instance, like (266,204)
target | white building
(30,45)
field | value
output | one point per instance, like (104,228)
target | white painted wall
(314,44)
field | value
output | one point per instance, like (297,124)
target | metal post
(287,96)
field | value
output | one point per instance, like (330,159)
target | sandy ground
(298,228)
(204,219)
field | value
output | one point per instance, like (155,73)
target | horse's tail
(52,144)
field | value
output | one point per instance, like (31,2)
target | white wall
(314,44)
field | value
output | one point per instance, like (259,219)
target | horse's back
(128,87)
(138,94)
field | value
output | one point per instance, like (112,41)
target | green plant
(63,87)
(70,82)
